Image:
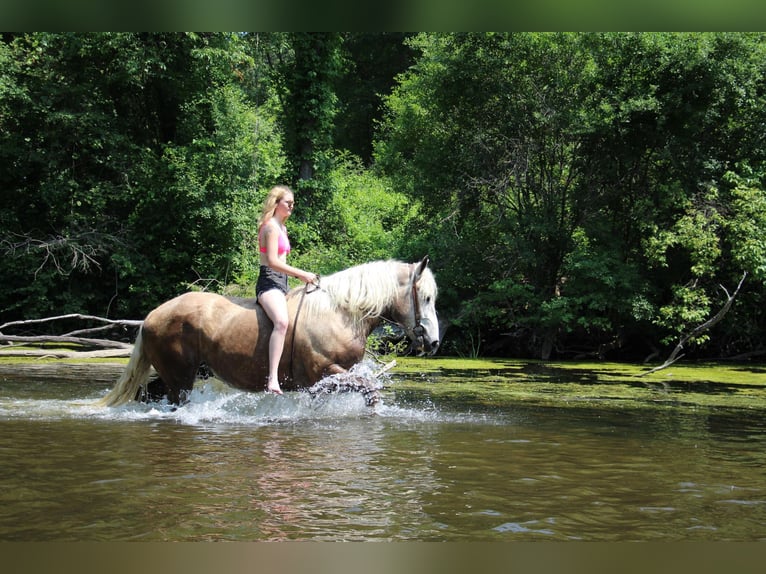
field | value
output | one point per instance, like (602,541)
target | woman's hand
(308,277)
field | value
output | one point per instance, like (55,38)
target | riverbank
(500,381)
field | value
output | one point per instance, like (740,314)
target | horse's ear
(420,268)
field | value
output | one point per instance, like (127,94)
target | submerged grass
(493,382)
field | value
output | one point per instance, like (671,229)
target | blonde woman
(271,288)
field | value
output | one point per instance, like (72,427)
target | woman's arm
(273,260)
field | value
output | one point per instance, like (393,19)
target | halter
(418,330)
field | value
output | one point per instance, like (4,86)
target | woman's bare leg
(275,305)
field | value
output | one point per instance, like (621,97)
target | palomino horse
(327,333)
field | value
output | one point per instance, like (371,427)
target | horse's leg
(179,382)
(335,369)
(153,391)
(176,363)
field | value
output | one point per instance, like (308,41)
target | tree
(576,182)
(679,118)
(373,60)
(488,125)
(134,152)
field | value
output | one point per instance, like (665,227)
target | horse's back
(194,309)
(196,321)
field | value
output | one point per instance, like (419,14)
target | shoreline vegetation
(587,383)
(580,194)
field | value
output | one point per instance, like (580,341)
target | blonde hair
(276,194)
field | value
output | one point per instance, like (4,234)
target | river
(417,467)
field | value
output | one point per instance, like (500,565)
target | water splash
(212,402)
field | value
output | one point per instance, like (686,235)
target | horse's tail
(135,375)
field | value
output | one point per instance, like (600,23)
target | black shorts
(269,279)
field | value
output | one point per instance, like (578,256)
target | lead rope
(295,321)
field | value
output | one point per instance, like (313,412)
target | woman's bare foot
(273,387)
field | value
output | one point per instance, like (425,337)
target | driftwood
(105,347)
(369,387)
(60,354)
(675,356)
(126,322)
(45,339)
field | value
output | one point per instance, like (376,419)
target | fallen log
(62,354)
(46,339)
(125,322)
(71,338)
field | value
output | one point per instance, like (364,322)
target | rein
(295,321)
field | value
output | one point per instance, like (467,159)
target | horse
(327,333)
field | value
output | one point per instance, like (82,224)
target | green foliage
(371,219)
(690,307)
(695,231)
(581,178)
(745,225)
(373,60)
(132,153)
(576,192)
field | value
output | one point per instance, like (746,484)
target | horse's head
(402,293)
(421,323)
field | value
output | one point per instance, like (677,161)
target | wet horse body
(327,333)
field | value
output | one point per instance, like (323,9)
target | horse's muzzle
(430,347)
(420,346)
(425,341)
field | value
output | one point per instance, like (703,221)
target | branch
(126,322)
(66,253)
(71,338)
(674,356)
(384,368)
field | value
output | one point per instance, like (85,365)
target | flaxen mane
(364,291)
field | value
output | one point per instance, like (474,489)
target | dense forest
(580,194)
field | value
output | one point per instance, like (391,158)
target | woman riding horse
(327,331)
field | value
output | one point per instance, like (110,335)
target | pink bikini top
(283,246)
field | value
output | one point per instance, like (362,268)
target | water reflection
(233,466)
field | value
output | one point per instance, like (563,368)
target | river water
(256,467)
